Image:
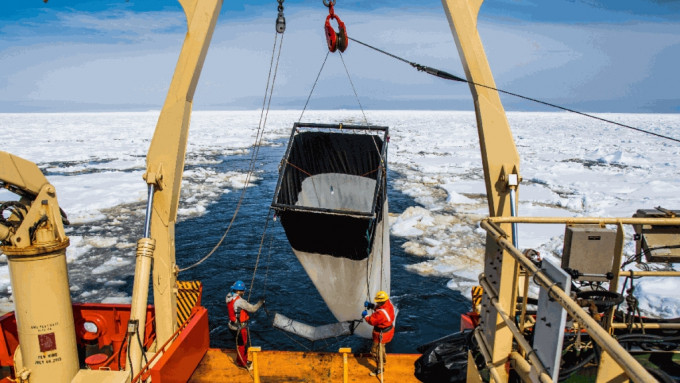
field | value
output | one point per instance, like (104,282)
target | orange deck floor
(290,366)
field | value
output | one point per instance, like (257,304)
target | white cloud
(123,60)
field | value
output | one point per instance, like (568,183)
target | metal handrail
(625,360)
(145,369)
(535,361)
(588,220)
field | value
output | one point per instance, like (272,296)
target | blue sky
(591,55)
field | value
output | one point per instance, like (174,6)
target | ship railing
(616,360)
(144,371)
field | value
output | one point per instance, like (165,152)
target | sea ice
(571,166)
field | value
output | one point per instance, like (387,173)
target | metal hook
(329,3)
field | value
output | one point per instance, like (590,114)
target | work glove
(363,314)
(369,305)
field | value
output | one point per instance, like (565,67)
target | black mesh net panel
(321,165)
(315,153)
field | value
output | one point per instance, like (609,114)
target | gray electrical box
(590,250)
(658,243)
(551,318)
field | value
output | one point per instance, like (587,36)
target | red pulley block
(335,40)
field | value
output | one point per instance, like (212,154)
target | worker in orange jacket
(239,310)
(382,321)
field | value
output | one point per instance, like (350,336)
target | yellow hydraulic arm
(164,169)
(500,162)
(25,178)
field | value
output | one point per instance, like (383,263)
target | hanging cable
(353,88)
(259,251)
(264,114)
(314,86)
(266,273)
(449,76)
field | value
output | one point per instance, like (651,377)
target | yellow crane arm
(24,178)
(165,159)
(500,162)
(164,169)
(20,174)
(499,154)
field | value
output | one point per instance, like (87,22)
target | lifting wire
(355,93)
(259,252)
(369,264)
(266,273)
(314,86)
(280,29)
(449,76)
(381,167)
(258,139)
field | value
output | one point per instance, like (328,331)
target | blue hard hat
(238,286)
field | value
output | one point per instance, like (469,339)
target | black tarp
(444,360)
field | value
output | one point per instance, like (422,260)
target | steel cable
(448,76)
(256,149)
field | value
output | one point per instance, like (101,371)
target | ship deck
(219,365)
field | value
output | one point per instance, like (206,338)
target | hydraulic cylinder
(43,312)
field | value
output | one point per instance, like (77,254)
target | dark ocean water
(428,309)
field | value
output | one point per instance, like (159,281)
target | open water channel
(427,308)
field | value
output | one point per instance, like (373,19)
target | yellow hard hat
(381,297)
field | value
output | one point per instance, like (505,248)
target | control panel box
(589,249)
(658,243)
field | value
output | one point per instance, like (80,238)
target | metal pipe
(256,365)
(493,297)
(648,326)
(522,367)
(140,289)
(588,220)
(525,298)
(140,296)
(629,364)
(513,212)
(484,349)
(628,273)
(345,369)
(149,207)
(340,126)
(348,213)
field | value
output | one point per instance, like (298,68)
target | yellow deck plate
(290,366)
